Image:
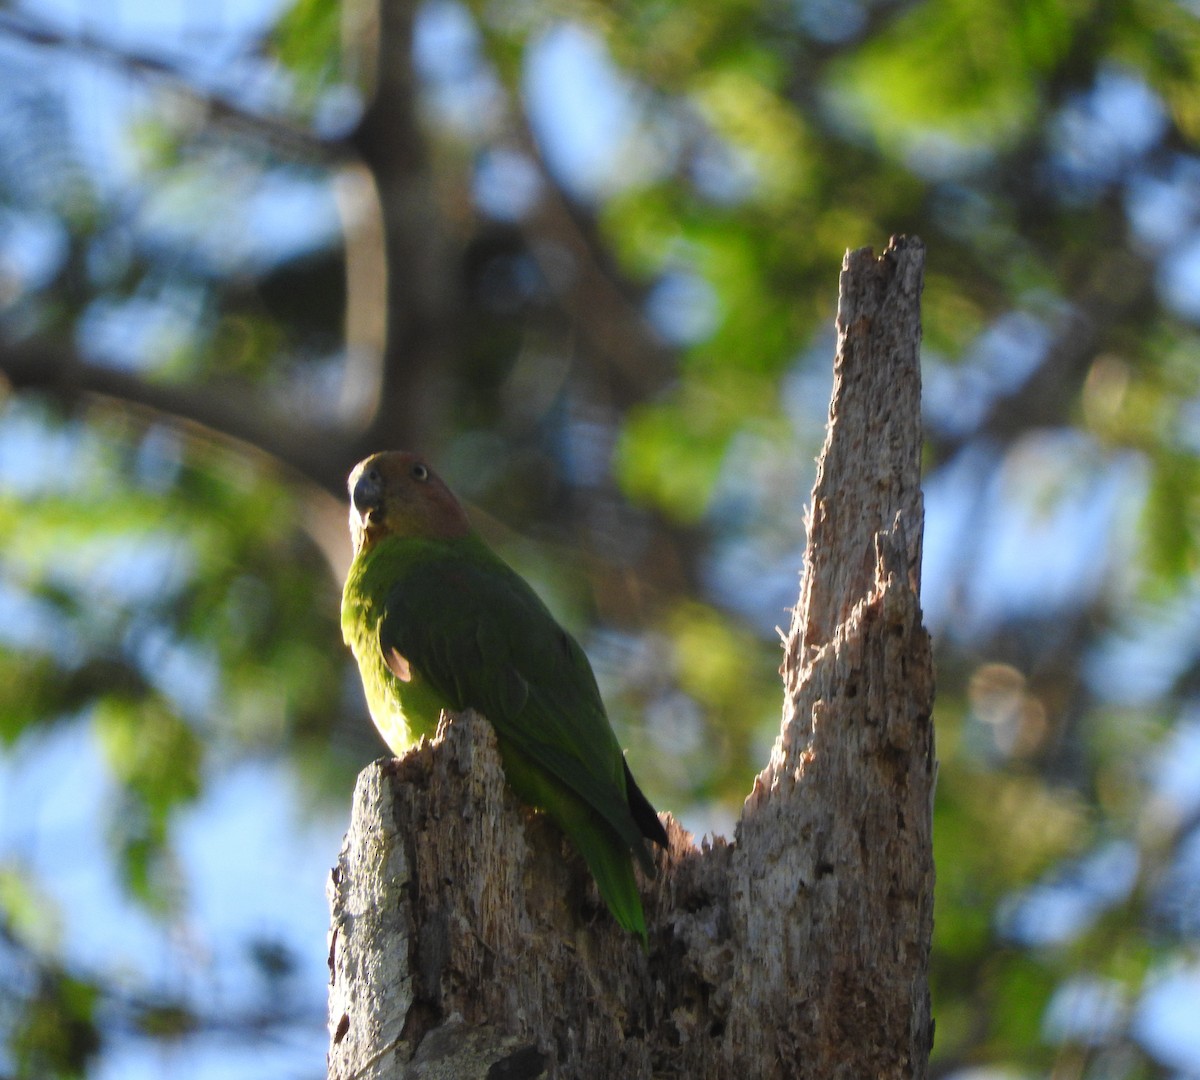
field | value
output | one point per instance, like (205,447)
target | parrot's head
(397,494)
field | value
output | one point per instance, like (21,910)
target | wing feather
(492,645)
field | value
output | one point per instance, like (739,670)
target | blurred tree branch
(251,419)
(289,139)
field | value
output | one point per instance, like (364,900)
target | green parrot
(437,620)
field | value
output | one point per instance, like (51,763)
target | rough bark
(467,939)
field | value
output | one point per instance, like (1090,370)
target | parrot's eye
(420,472)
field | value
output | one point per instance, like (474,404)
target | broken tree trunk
(467,939)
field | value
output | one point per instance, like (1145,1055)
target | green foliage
(27,914)
(731,676)
(676,474)
(156,757)
(307,42)
(1171,517)
(57,1036)
(969,72)
(134,609)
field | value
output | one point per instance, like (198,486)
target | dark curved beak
(367,493)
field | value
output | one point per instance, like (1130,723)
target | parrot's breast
(403,710)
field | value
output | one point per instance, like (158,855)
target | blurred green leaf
(56,1036)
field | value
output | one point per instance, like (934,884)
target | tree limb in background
(280,134)
(292,439)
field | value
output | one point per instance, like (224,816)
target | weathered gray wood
(834,858)
(469,941)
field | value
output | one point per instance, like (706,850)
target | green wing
(483,639)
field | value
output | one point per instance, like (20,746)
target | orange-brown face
(397,494)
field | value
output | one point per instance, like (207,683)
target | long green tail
(610,863)
(606,854)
